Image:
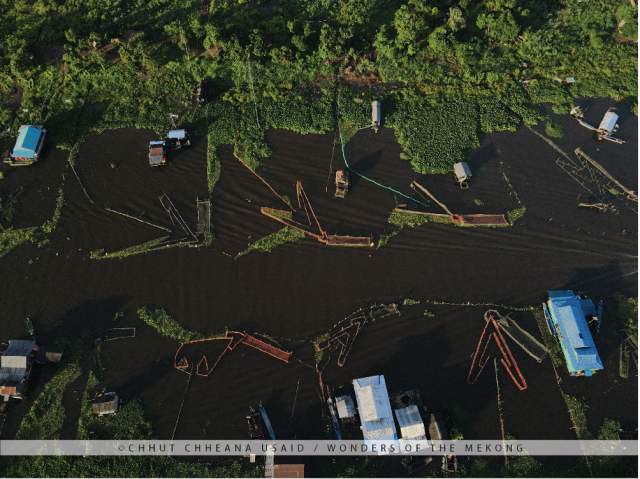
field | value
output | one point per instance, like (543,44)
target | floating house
(376,115)
(375,409)
(411,425)
(157,153)
(107,403)
(16,364)
(346,409)
(567,315)
(28,145)
(462,174)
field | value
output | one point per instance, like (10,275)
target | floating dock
(204,216)
(480,220)
(357,241)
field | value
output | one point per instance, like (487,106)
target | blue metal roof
(588,307)
(27,142)
(568,313)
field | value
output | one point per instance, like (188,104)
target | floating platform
(204,216)
(481,220)
(357,241)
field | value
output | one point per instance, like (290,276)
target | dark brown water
(299,291)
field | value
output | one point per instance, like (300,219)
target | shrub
(554,130)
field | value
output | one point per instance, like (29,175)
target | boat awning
(609,121)
(177,134)
(462,171)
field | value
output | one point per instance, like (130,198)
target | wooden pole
(631,194)
(137,219)
(415,185)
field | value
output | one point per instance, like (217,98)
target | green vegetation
(578,412)
(451,71)
(11,238)
(137,249)
(553,130)
(478,202)
(386,238)
(268,243)
(46,417)
(411,219)
(167,326)
(555,351)
(627,313)
(515,214)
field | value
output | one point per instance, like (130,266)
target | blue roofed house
(568,313)
(28,145)
(374,407)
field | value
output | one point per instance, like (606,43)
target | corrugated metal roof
(16,354)
(568,315)
(588,308)
(608,121)
(411,425)
(288,470)
(376,114)
(27,141)
(105,404)
(345,407)
(374,408)
(462,170)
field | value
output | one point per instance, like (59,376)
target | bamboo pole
(631,194)
(137,219)
(415,185)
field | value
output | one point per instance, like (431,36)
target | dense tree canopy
(87,65)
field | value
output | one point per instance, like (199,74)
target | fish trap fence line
(503,306)
(522,338)
(259,177)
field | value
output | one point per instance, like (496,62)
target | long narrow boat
(547,316)
(267,423)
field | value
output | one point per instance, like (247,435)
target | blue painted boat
(547,316)
(267,423)
(334,418)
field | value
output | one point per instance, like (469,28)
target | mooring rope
(373,181)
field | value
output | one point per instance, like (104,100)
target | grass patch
(555,351)
(268,243)
(627,313)
(11,238)
(386,238)
(478,202)
(515,214)
(167,326)
(553,130)
(411,219)
(578,412)
(213,162)
(158,243)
